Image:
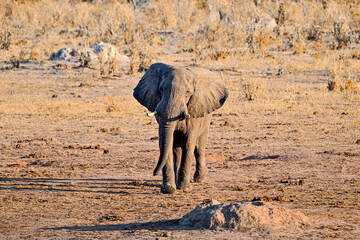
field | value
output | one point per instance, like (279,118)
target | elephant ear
(210,93)
(147,91)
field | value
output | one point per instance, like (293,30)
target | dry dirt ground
(77,153)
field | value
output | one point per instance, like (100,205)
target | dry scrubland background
(77,151)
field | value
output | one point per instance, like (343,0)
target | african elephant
(181,99)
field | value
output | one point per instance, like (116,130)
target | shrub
(108,67)
(251,89)
(5,39)
(16,60)
(333,77)
(340,33)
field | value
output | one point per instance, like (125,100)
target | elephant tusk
(151,114)
(187,116)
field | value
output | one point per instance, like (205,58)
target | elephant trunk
(166,137)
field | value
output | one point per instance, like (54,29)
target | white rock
(95,53)
(107,52)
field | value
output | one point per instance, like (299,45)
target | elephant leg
(185,166)
(178,143)
(201,169)
(168,185)
(177,162)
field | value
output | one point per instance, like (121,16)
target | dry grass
(212,30)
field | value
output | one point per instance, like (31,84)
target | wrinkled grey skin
(174,92)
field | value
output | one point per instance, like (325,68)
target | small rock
(210,202)
(60,65)
(110,109)
(301,182)
(225,124)
(239,188)
(263,198)
(95,147)
(70,146)
(167,234)
(63,54)
(104,130)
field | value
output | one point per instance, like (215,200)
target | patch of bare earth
(81,167)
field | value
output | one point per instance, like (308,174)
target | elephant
(181,99)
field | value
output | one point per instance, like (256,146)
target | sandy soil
(77,154)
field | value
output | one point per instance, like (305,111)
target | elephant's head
(176,93)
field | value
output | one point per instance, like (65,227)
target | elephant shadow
(79,185)
(167,225)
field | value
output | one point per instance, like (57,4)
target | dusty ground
(77,153)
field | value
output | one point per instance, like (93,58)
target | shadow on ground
(256,157)
(151,226)
(108,186)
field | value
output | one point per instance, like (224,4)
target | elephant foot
(186,187)
(199,178)
(167,189)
